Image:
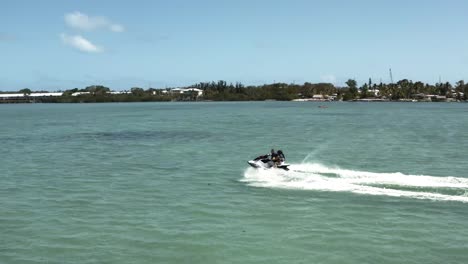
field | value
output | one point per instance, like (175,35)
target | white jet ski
(264,162)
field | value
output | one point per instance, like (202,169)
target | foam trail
(316,176)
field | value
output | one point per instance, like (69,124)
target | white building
(79,93)
(44,94)
(120,92)
(375,91)
(186,91)
(20,95)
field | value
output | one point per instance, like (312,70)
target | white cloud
(80,43)
(328,78)
(117,28)
(82,21)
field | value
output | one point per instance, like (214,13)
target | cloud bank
(80,21)
(80,43)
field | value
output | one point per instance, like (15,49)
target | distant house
(419,96)
(333,97)
(160,91)
(430,97)
(176,90)
(186,91)
(34,95)
(11,96)
(376,92)
(16,95)
(316,98)
(80,93)
(371,100)
(439,98)
(44,94)
(120,92)
(191,90)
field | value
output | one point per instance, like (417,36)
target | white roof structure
(16,95)
(44,94)
(79,93)
(184,90)
(11,95)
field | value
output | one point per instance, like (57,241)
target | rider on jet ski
(277,157)
(274,159)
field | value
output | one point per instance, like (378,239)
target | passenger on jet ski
(278,157)
(281,156)
(274,157)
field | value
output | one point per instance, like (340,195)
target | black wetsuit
(281,156)
(274,156)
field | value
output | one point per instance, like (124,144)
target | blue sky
(54,45)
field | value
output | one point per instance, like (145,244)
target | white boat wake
(314,176)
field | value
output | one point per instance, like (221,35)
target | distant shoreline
(401,91)
(232,101)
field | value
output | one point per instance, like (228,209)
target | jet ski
(264,162)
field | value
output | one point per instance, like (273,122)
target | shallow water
(169,183)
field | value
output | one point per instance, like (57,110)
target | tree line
(222,91)
(405,89)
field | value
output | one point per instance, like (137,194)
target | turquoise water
(169,183)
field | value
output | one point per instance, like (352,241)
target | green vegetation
(222,91)
(25,91)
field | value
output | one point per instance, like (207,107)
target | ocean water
(169,183)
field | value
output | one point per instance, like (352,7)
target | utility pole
(391,76)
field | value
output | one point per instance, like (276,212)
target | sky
(59,45)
